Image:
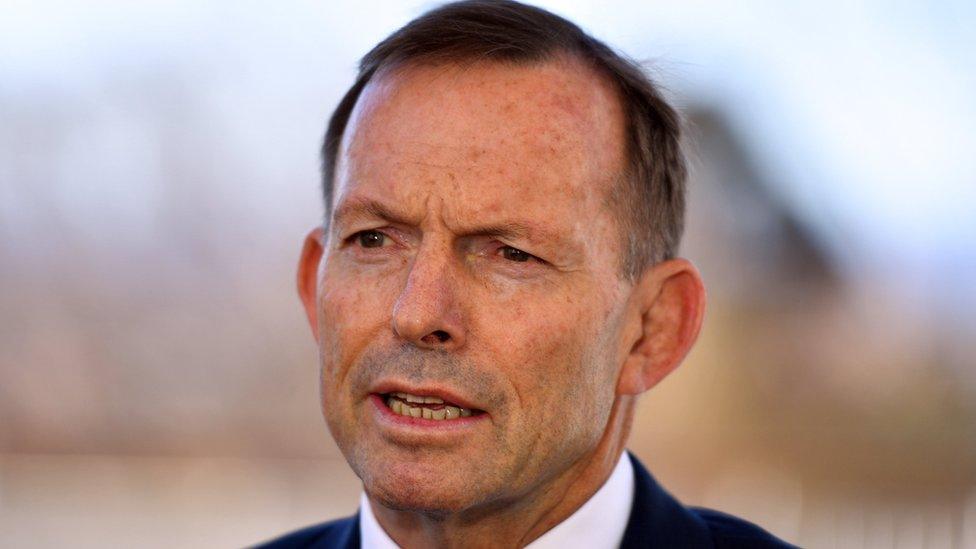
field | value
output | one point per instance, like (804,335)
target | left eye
(515,254)
(371,239)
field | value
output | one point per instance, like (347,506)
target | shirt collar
(372,535)
(598,523)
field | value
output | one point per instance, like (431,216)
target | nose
(426,313)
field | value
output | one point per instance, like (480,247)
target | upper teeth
(398,403)
(419,399)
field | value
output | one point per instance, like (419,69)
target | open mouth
(426,407)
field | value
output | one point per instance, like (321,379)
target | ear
(308,277)
(670,302)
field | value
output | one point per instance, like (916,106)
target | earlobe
(308,277)
(671,302)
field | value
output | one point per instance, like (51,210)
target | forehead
(486,137)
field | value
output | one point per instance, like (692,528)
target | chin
(399,499)
(422,487)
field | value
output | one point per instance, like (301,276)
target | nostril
(440,335)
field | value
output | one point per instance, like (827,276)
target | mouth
(425,407)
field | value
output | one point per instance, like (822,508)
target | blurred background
(158,171)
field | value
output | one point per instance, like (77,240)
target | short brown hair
(651,191)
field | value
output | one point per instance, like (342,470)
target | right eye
(371,239)
(515,254)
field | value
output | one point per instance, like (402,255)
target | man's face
(472,258)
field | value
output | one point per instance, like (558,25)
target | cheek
(547,344)
(354,311)
(553,354)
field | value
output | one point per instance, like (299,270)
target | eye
(515,254)
(370,239)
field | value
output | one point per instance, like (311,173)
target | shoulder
(729,532)
(657,519)
(335,534)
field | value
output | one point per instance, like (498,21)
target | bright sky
(864,114)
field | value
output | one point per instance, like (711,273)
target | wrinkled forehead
(549,123)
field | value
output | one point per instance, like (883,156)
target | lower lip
(386,415)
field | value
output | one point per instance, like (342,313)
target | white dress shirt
(600,523)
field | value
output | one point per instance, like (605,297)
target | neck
(518,524)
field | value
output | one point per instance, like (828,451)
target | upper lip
(443,393)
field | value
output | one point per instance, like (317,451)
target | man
(495,285)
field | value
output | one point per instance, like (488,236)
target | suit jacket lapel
(343,535)
(658,520)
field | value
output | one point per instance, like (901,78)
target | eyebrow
(367,208)
(515,230)
(360,208)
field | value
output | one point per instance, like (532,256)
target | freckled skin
(537,345)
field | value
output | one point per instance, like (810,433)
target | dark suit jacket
(656,520)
